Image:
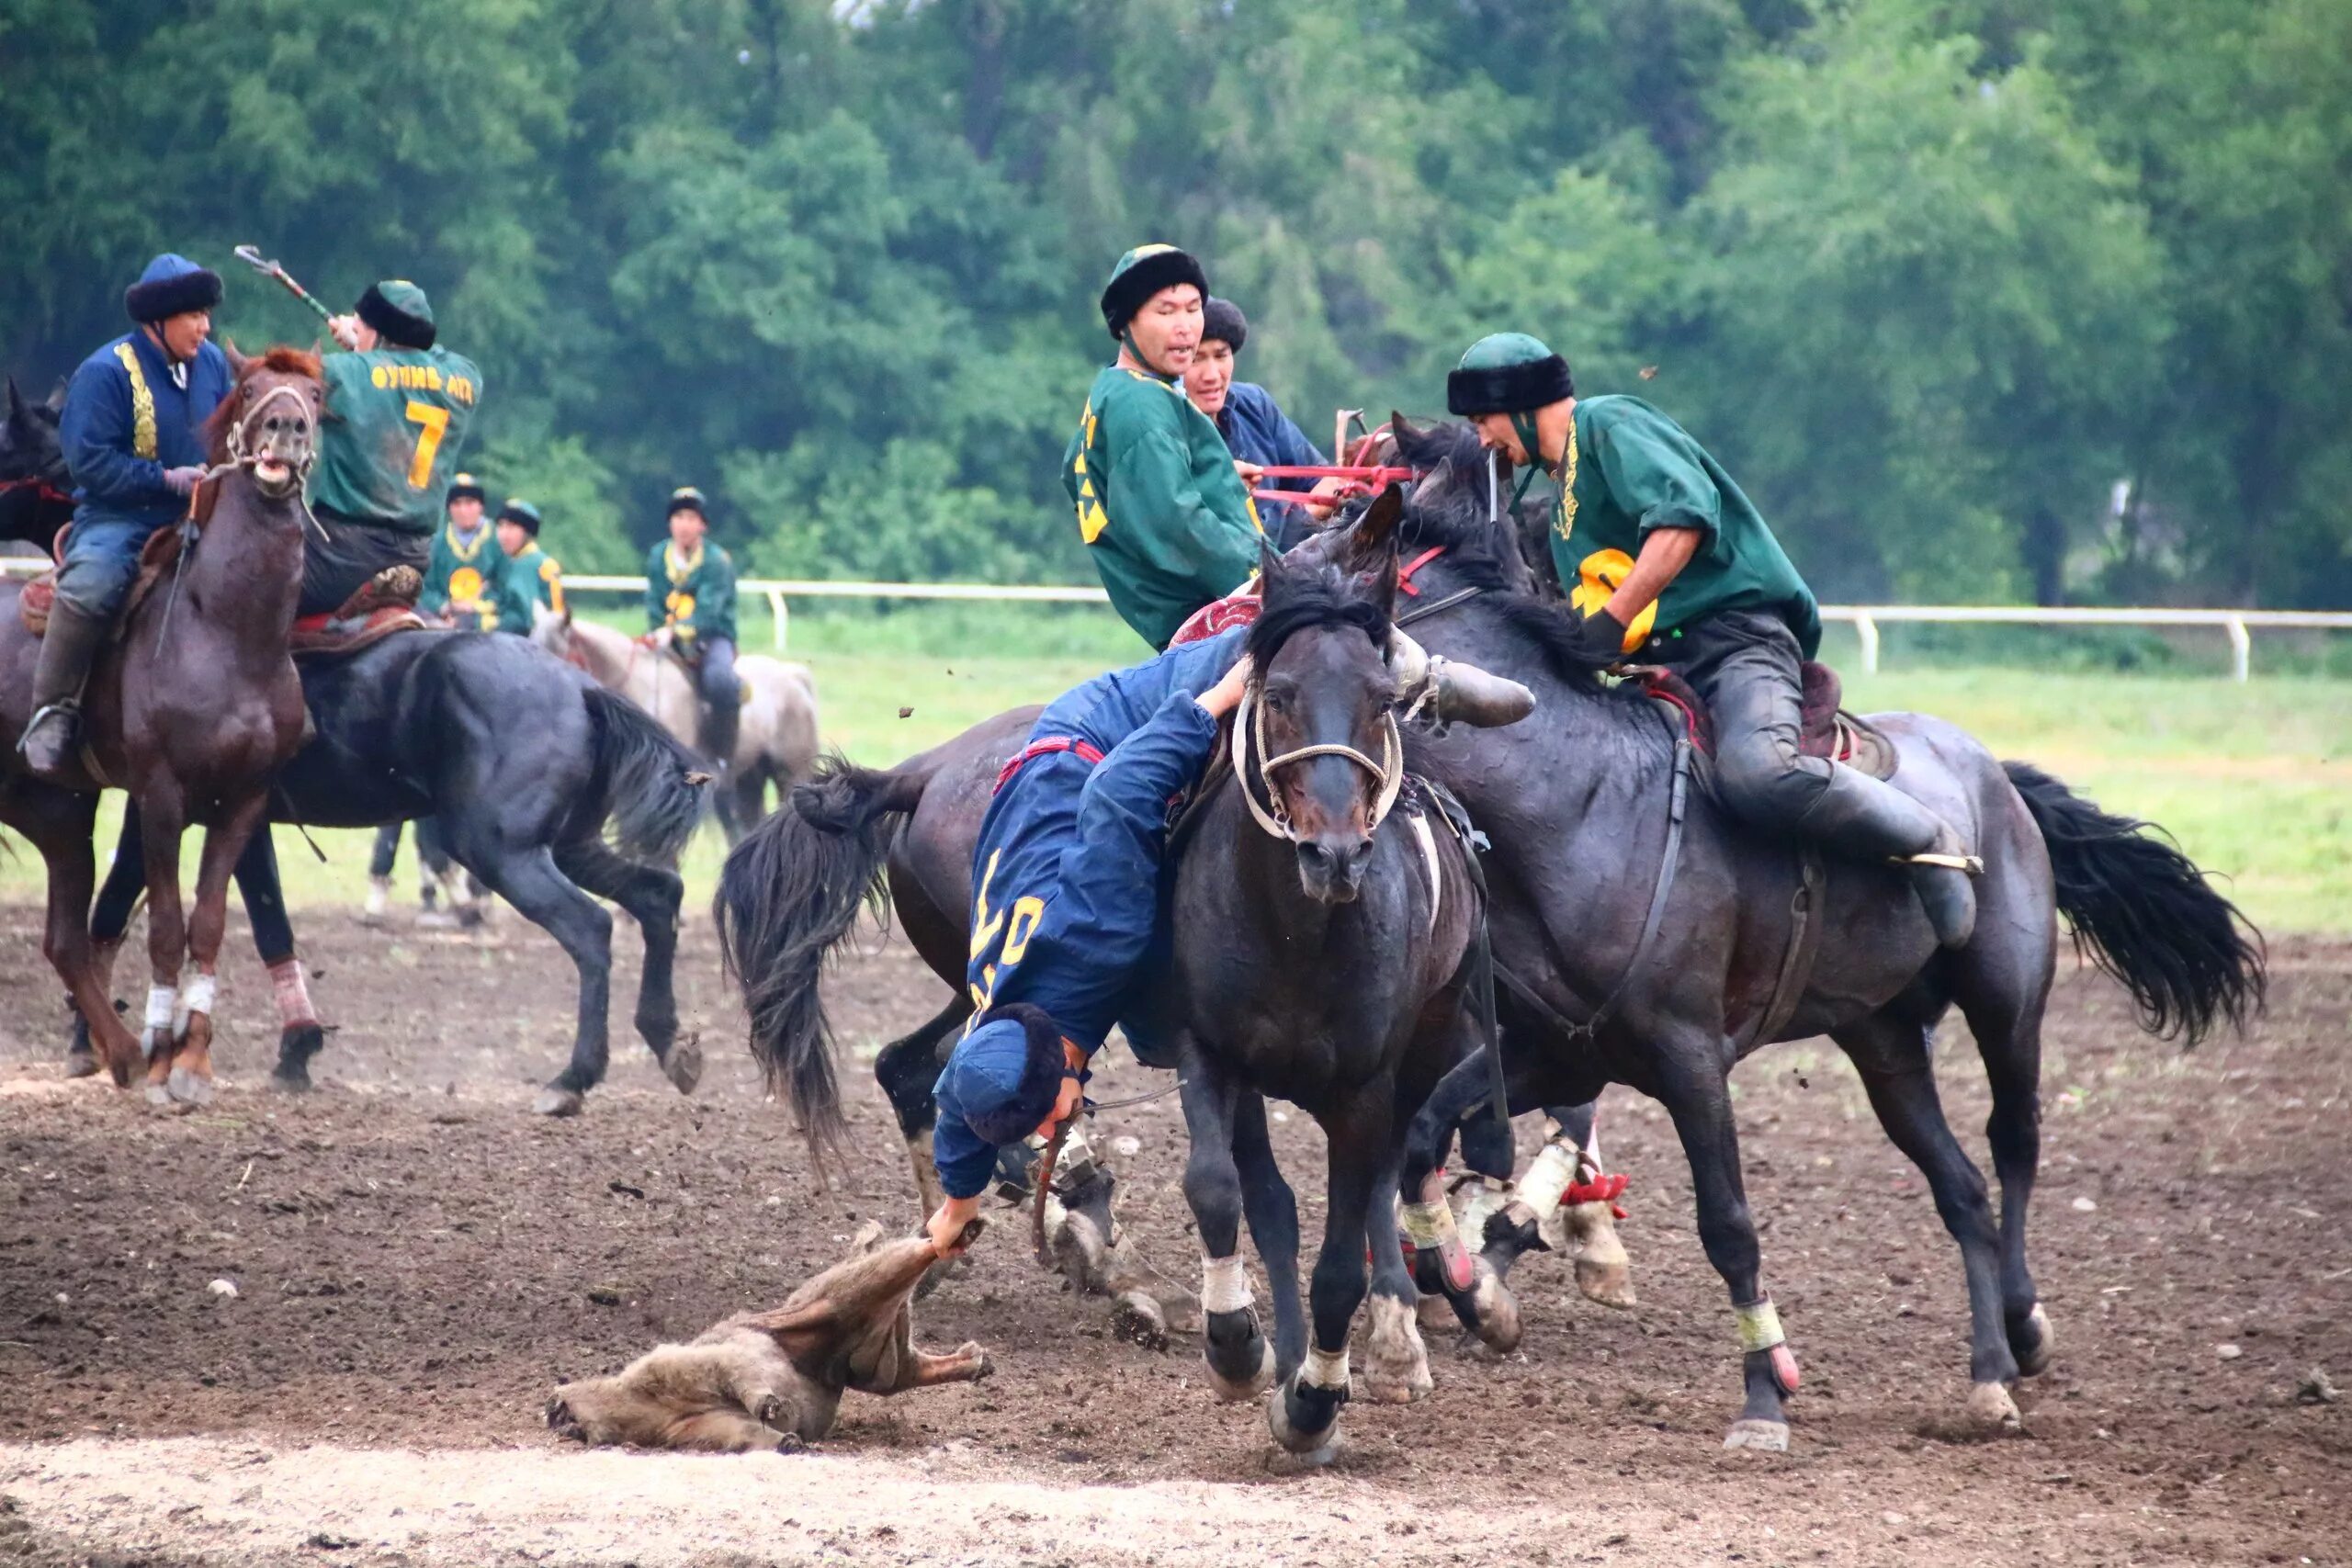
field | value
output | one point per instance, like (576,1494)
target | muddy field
(415,1260)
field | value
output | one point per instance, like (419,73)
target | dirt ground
(416,1259)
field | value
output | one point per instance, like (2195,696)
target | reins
(1363,480)
(191,524)
(1249,728)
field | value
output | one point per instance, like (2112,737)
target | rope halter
(1249,725)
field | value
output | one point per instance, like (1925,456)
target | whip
(250,256)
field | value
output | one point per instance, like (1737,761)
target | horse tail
(789,895)
(655,794)
(2143,911)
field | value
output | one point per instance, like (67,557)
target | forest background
(1986,300)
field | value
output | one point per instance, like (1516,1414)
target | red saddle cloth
(385,604)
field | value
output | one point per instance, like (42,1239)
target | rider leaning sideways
(532,580)
(398,411)
(1664,555)
(690,606)
(133,441)
(1161,506)
(466,573)
(1256,431)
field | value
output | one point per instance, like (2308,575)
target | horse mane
(1301,596)
(282,360)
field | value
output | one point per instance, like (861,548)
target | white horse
(774,743)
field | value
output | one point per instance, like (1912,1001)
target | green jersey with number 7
(396,419)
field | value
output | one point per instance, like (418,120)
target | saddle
(384,604)
(1825,729)
(156,558)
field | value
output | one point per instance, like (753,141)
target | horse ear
(237,362)
(1375,530)
(16,401)
(1405,429)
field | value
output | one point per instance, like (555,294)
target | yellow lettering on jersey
(1026,912)
(985,925)
(380,379)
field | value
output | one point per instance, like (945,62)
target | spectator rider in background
(532,579)
(1163,510)
(690,608)
(465,572)
(131,432)
(398,411)
(1255,429)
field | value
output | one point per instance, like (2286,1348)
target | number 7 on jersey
(428,441)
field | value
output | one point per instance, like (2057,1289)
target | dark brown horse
(192,709)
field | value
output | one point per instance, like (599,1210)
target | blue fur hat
(171,286)
(1006,1074)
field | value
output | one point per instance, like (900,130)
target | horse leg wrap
(286,983)
(1430,1226)
(160,1005)
(1487,1197)
(1225,1286)
(1549,1176)
(197,997)
(1325,1369)
(1760,1329)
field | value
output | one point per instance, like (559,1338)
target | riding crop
(250,256)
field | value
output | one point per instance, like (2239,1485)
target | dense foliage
(1982,299)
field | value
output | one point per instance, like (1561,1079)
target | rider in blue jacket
(1255,428)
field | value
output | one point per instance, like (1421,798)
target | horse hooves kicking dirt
(774,1380)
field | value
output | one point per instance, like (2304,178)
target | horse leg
(1589,1229)
(163,818)
(1890,1050)
(528,880)
(60,823)
(126,879)
(1271,1209)
(1303,1412)
(906,1069)
(1397,1365)
(191,1081)
(1511,1219)
(300,1035)
(2002,996)
(1240,1362)
(1692,1082)
(651,895)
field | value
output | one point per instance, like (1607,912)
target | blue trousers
(101,560)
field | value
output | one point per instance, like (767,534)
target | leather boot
(720,723)
(1453,693)
(1861,815)
(52,739)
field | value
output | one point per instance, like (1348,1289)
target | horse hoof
(683,1066)
(2032,1342)
(1233,1391)
(558,1102)
(81,1065)
(160,1098)
(1610,1284)
(1992,1412)
(1494,1312)
(188,1088)
(1316,1445)
(1758,1436)
(295,1080)
(1137,1318)
(1078,1251)
(1397,1366)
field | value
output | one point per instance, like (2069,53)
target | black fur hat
(1507,373)
(1142,272)
(1223,320)
(398,310)
(171,286)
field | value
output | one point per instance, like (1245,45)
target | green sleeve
(1654,474)
(436,597)
(656,592)
(1159,520)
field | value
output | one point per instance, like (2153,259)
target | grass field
(2255,781)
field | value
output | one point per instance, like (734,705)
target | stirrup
(1973,864)
(70,708)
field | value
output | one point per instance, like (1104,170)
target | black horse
(524,760)
(36,492)
(1578,802)
(1321,953)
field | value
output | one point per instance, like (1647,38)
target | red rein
(1361,478)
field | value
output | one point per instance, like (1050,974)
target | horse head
(1318,727)
(269,421)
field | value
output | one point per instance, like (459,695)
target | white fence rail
(2237,626)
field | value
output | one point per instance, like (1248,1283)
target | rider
(690,606)
(1256,431)
(397,415)
(132,436)
(1066,886)
(1662,552)
(1160,505)
(532,577)
(465,571)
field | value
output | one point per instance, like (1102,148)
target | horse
(774,743)
(192,709)
(1321,952)
(35,491)
(1643,937)
(524,761)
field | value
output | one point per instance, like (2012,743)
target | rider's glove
(1602,636)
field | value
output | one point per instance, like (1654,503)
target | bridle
(1250,730)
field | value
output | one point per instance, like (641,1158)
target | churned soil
(415,1260)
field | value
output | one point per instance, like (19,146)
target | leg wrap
(1225,1286)
(1760,1326)
(1326,1369)
(197,997)
(293,996)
